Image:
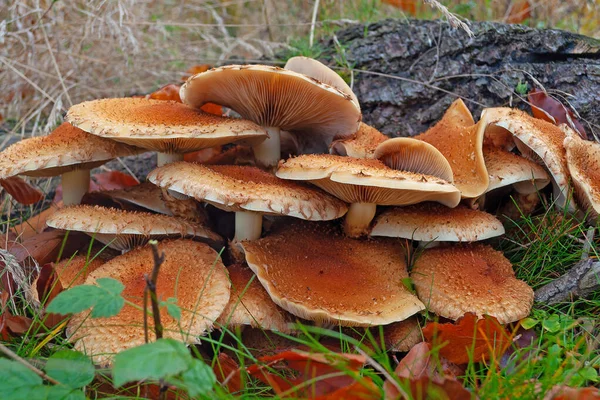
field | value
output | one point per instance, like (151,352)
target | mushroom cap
(322,73)
(583,160)
(74,271)
(546,141)
(314,272)
(123,230)
(250,304)
(245,188)
(275,97)
(461,142)
(65,149)
(402,336)
(192,273)
(361,145)
(412,155)
(470,278)
(164,126)
(356,180)
(427,222)
(495,135)
(505,168)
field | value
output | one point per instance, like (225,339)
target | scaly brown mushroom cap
(164,126)
(505,168)
(313,272)
(74,271)
(191,272)
(250,304)
(360,145)
(452,281)
(123,230)
(583,160)
(427,222)
(460,140)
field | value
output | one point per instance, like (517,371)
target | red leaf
(228,372)
(481,338)
(212,108)
(568,393)
(551,110)
(520,10)
(47,284)
(196,69)
(11,324)
(167,92)
(443,389)
(410,6)
(365,389)
(114,180)
(21,191)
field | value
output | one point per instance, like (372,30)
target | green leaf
(75,300)
(111,285)
(552,323)
(71,368)
(59,393)
(16,380)
(172,308)
(163,358)
(589,373)
(529,323)
(199,379)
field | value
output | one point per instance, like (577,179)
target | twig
(9,353)
(313,23)
(589,238)
(580,281)
(151,288)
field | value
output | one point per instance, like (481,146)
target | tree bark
(431,64)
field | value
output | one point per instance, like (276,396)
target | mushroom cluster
(288,257)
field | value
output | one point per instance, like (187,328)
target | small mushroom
(249,192)
(68,152)
(360,145)
(315,273)
(169,127)
(508,169)
(365,184)
(473,278)
(201,297)
(277,99)
(123,230)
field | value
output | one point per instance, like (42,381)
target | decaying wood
(580,281)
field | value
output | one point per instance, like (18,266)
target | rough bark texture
(580,281)
(444,63)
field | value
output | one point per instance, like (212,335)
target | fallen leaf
(212,108)
(167,92)
(410,6)
(204,155)
(21,191)
(444,389)
(568,393)
(228,373)
(11,324)
(35,224)
(470,338)
(47,284)
(196,69)
(113,180)
(365,389)
(520,11)
(551,110)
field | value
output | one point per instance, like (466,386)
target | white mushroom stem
(358,219)
(248,225)
(268,152)
(167,158)
(75,184)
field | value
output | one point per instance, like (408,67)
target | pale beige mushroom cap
(276,97)
(429,222)
(244,188)
(322,73)
(356,180)
(74,271)
(505,168)
(583,160)
(456,280)
(123,230)
(164,126)
(412,155)
(250,304)
(66,149)
(191,272)
(360,145)
(315,273)
(495,135)
(461,142)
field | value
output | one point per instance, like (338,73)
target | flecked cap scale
(506,168)
(360,145)
(583,159)
(192,273)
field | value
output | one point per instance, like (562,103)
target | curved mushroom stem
(167,158)
(358,219)
(75,184)
(267,153)
(248,225)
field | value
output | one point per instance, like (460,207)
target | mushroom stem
(358,219)
(75,184)
(167,158)
(248,225)
(268,152)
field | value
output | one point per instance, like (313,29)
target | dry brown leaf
(520,10)
(551,110)
(228,373)
(569,393)
(35,224)
(114,180)
(21,191)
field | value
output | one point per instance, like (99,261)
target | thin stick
(587,245)
(151,287)
(313,23)
(9,353)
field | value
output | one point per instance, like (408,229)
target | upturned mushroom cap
(66,149)
(505,168)
(545,140)
(452,281)
(495,135)
(276,97)
(123,230)
(322,73)
(250,304)
(74,271)
(164,126)
(244,188)
(360,145)
(428,222)
(461,142)
(191,272)
(583,160)
(412,155)
(315,273)
(355,180)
